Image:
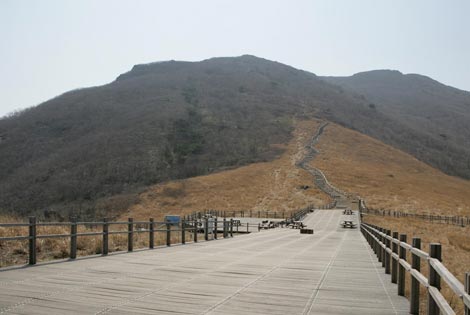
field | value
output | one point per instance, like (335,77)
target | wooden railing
(258,213)
(453,220)
(391,249)
(196,223)
(242,214)
(133,227)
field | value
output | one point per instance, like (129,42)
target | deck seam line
(111,307)
(212,308)
(314,295)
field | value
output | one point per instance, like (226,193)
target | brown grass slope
(260,186)
(438,112)
(391,179)
(386,177)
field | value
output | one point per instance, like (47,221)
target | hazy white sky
(48,47)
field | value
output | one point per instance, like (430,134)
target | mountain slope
(278,185)
(157,122)
(388,178)
(440,113)
(174,120)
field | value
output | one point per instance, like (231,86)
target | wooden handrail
(374,236)
(133,227)
(451,220)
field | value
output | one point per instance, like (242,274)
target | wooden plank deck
(277,271)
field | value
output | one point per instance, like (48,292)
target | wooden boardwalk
(276,271)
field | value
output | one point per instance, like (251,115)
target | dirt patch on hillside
(278,186)
(386,177)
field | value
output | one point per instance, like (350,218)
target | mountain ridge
(172,120)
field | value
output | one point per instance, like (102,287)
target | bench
(297,225)
(349,224)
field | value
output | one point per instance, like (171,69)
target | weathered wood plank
(277,271)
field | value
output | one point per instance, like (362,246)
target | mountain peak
(379,72)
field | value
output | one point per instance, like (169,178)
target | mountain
(90,150)
(439,113)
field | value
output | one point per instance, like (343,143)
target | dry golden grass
(386,177)
(455,242)
(271,186)
(260,186)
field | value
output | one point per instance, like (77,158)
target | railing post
(467,289)
(32,240)
(183,234)
(105,236)
(151,233)
(231,227)
(225,228)
(394,261)
(247,228)
(206,227)
(378,250)
(73,238)
(195,231)
(435,251)
(376,243)
(130,235)
(401,269)
(383,250)
(387,254)
(216,223)
(168,234)
(415,264)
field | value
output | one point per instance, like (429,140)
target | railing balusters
(183,234)
(168,234)
(435,251)
(225,228)
(415,264)
(401,269)
(467,289)
(73,238)
(394,261)
(151,233)
(436,301)
(105,236)
(130,235)
(387,255)
(32,240)
(383,250)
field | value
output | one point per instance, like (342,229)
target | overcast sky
(49,47)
